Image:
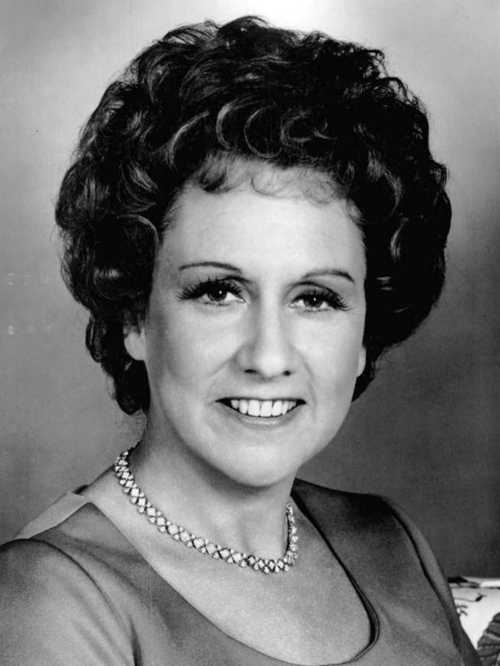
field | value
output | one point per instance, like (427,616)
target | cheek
(334,359)
(181,353)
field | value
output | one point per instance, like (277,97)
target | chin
(260,468)
(259,478)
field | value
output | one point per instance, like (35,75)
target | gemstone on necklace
(180,534)
(211,548)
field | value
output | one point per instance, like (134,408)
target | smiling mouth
(262,408)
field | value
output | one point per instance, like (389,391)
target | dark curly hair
(209,94)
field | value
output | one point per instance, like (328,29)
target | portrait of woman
(252,218)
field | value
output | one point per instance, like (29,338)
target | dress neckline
(71,502)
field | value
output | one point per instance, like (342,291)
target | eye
(219,293)
(319,300)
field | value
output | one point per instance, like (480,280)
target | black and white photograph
(249,333)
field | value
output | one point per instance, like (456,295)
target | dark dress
(80,593)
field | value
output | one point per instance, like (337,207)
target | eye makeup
(313,298)
(212,289)
(216,290)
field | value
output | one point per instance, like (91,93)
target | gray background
(427,431)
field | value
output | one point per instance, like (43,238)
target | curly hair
(206,94)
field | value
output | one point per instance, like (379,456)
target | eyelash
(203,288)
(331,298)
(210,286)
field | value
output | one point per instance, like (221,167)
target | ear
(361,361)
(134,341)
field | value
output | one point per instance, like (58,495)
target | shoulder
(82,548)
(378,533)
(52,605)
(374,528)
(367,521)
(37,574)
(358,510)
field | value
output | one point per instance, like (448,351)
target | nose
(267,349)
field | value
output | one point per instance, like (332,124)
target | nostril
(252,371)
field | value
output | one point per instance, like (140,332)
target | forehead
(281,232)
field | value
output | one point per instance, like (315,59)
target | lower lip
(261,421)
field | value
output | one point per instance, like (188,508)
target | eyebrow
(211,264)
(336,272)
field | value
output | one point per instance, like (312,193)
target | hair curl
(251,91)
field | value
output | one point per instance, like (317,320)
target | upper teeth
(264,408)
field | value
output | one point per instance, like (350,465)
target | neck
(208,503)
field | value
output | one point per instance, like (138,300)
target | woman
(253,216)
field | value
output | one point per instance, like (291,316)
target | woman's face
(253,335)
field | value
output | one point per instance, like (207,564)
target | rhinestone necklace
(205,546)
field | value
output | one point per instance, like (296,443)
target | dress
(80,593)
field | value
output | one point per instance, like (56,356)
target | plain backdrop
(426,433)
